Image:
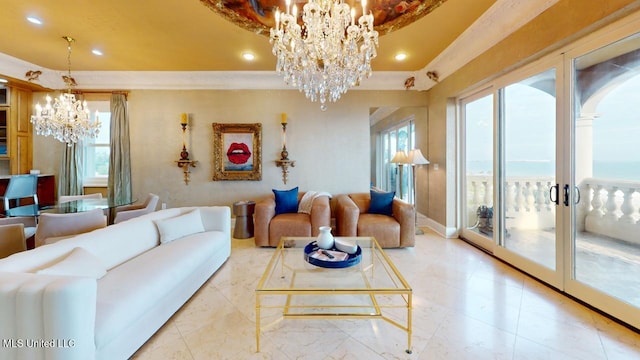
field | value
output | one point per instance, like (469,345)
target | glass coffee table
(373,288)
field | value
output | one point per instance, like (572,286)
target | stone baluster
(596,202)
(510,198)
(586,194)
(488,194)
(627,207)
(541,196)
(520,198)
(610,204)
(476,194)
(584,206)
(529,197)
(546,195)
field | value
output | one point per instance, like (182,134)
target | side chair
(21,187)
(127,212)
(54,227)
(12,239)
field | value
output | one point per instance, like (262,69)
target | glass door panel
(606,244)
(528,181)
(392,168)
(403,145)
(478,181)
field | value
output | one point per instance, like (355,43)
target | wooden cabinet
(16,134)
(4,121)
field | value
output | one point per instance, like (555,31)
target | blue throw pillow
(286,201)
(381,203)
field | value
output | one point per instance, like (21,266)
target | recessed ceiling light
(248,56)
(4,81)
(34,20)
(400,56)
(96,52)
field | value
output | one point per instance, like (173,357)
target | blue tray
(353,259)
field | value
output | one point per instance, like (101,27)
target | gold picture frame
(237,151)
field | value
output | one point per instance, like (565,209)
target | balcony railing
(527,202)
(606,207)
(611,208)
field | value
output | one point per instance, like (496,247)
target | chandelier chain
(69,40)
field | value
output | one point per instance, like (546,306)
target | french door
(510,156)
(605,183)
(550,170)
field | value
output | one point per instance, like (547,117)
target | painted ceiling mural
(258,15)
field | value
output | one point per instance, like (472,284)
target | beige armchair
(12,239)
(269,227)
(353,219)
(127,212)
(55,227)
(28,225)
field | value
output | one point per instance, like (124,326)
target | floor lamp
(400,158)
(416,158)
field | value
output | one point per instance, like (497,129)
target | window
(401,137)
(96,155)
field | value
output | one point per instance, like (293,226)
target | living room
(334,150)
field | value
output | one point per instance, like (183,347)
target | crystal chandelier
(67,119)
(330,53)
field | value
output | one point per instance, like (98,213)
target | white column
(584,146)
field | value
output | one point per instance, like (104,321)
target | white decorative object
(330,53)
(180,226)
(346,246)
(325,239)
(67,119)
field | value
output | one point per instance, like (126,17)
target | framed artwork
(237,151)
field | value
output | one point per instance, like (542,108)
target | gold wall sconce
(185,163)
(285,163)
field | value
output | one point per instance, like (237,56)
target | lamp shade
(416,158)
(400,158)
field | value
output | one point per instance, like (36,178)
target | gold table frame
(375,276)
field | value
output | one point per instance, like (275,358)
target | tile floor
(467,305)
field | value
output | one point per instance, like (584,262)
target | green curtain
(71,169)
(119,188)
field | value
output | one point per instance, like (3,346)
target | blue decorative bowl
(351,260)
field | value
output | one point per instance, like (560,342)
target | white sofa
(103,294)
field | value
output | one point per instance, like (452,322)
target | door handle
(553,189)
(565,194)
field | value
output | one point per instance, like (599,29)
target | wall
(563,23)
(331,148)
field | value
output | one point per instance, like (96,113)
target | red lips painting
(238,149)
(238,153)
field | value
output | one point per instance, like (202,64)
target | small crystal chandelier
(67,120)
(327,55)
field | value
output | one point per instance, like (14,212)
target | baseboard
(446,232)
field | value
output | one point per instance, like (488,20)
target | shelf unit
(15,130)
(4,130)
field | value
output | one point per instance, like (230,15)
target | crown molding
(180,80)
